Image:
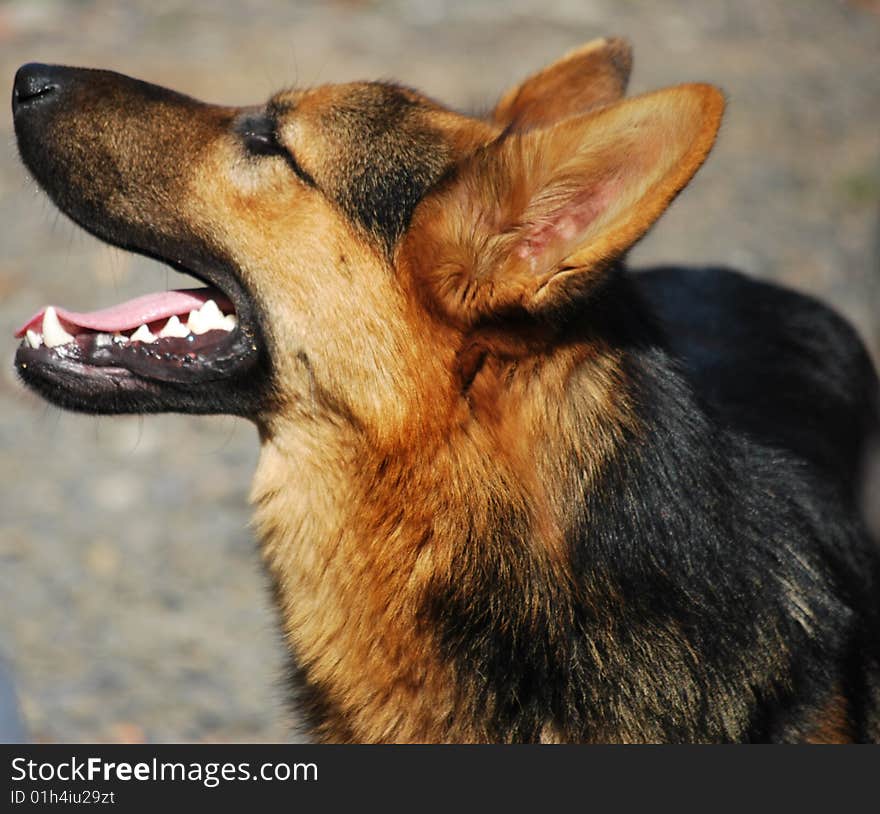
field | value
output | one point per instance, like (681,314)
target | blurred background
(133,603)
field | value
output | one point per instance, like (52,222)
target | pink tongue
(131,314)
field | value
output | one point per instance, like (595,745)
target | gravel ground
(134,607)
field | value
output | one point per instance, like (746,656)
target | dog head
(358,239)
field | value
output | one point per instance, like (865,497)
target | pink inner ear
(565,224)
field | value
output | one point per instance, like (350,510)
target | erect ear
(532,221)
(588,77)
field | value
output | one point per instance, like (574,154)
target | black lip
(73,385)
(190,360)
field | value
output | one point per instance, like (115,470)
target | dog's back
(791,381)
(775,363)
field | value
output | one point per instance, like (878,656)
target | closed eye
(259,138)
(258,135)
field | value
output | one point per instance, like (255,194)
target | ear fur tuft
(532,220)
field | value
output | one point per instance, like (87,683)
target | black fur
(726,585)
(390,158)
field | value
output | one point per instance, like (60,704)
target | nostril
(32,82)
(26,94)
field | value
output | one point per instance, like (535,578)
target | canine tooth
(210,310)
(202,321)
(53,334)
(143,334)
(174,327)
(34,339)
(208,318)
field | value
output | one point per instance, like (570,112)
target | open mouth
(169,336)
(139,355)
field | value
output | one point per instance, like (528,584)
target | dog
(508,490)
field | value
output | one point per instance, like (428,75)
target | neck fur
(363,543)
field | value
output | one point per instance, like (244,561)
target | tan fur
(832,724)
(588,77)
(354,554)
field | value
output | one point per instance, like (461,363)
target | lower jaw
(95,374)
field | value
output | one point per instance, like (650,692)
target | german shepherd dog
(508,490)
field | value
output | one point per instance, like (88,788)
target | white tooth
(53,334)
(194,322)
(209,310)
(210,317)
(119,338)
(143,334)
(34,339)
(174,328)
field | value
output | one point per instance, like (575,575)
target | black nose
(34,83)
